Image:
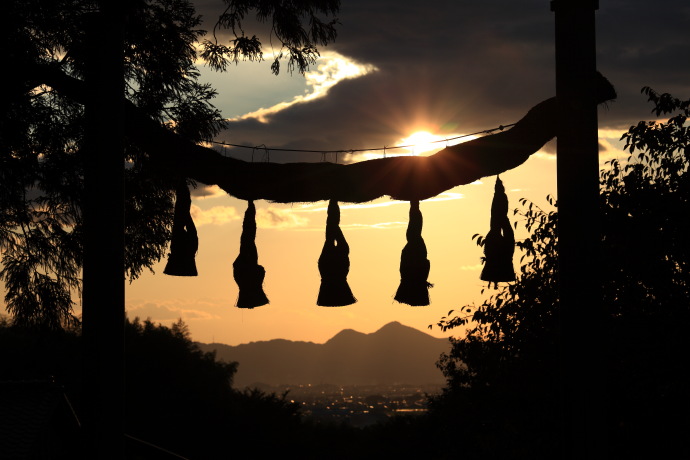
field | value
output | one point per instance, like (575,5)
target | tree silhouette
(178,397)
(167,113)
(181,398)
(502,377)
(42,129)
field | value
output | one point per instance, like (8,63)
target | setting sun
(423,143)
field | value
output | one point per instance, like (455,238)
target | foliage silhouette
(42,129)
(178,397)
(503,375)
(298,26)
(167,113)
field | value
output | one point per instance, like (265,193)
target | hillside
(395,354)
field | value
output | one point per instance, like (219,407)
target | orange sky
(289,246)
(290,238)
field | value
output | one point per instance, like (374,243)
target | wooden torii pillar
(578,195)
(581,310)
(103,295)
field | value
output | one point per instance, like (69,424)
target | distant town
(356,405)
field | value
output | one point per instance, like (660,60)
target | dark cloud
(464,66)
(167,312)
(205,191)
(154,312)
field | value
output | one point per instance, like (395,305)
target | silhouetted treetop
(299,27)
(168,112)
(42,129)
(404,178)
(503,374)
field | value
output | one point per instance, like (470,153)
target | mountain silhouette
(395,354)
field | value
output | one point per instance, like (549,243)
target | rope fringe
(499,244)
(334,263)
(184,241)
(414,266)
(248,274)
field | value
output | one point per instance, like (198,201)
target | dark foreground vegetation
(502,396)
(180,400)
(178,397)
(504,375)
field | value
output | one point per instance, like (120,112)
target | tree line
(502,374)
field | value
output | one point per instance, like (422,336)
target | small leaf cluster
(507,324)
(299,28)
(503,374)
(42,144)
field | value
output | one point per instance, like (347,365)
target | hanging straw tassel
(184,242)
(414,266)
(247,272)
(334,263)
(499,243)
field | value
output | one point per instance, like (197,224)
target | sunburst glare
(423,143)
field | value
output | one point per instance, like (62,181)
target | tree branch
(403,178)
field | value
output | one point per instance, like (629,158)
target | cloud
(298,221)
(462,67)
(207,191)
(168,311)
(321,207)
(279,218)
(331,68)
(609,151)
(476,267)
(217,215)
(613,134)
(377,226)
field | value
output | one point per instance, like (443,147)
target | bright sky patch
(331,69)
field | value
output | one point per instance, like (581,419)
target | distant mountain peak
(393,325)
(393,354)
(396,329)
(345,334)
